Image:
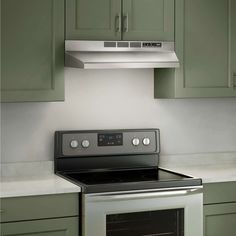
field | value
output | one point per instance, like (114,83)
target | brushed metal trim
(151,192)
(98,46)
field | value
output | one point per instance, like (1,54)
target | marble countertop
(29,179)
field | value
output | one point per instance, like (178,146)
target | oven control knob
(135,141)
(146,141)
(85,143)
(74,143)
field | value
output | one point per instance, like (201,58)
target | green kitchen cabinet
(220,209)
(220,219)
(32,50)
(93,19)
(205,36)
(120,19)
(46,215)
(148,20)
(50,227)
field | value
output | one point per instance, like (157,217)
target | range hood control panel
(117,142)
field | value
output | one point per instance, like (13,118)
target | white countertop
(209,173)
(33,178)
(37,178)
(25,186)
(210,167)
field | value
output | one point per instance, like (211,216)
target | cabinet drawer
(39,207)
(219,192)
(220,219)
(53,227)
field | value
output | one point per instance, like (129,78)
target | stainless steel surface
(74,143)
(135,141)
(98,46)
(126,148)
(146,141)
(95,208)
(95,55)
(165,192)
(144,195)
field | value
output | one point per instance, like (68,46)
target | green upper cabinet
(93,19)
(32,50)
(148,20)
(120,19)
(205,33)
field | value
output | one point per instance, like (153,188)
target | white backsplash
(108,99)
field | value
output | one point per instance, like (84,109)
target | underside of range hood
(120,54)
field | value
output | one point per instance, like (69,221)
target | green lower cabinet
(220,219)
(32,50)
(45,215)
(205,36)
(50,227)
(219,209)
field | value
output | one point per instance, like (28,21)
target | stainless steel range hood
(120,54)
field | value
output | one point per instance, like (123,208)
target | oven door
(169,212)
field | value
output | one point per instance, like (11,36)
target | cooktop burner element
(114,160)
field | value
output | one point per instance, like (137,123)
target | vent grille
(122,44)
(135,45)
(109,44)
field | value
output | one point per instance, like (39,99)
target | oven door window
(148,223)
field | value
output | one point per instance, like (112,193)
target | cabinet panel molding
(32,56)
(92,19)
(205,39)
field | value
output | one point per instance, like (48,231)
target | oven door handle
(147,194)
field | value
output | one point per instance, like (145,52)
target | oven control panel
(110,142)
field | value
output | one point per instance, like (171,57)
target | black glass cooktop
(130,179)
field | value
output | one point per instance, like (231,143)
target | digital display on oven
(110,139)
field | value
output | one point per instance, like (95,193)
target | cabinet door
(32,50)
(51,227)
(148,20)
(233,41)
(93,19)
(220,219)
(205,45)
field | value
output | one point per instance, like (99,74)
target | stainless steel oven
(174,212)
(124,191)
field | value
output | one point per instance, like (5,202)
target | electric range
(121,181)
(114,160)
